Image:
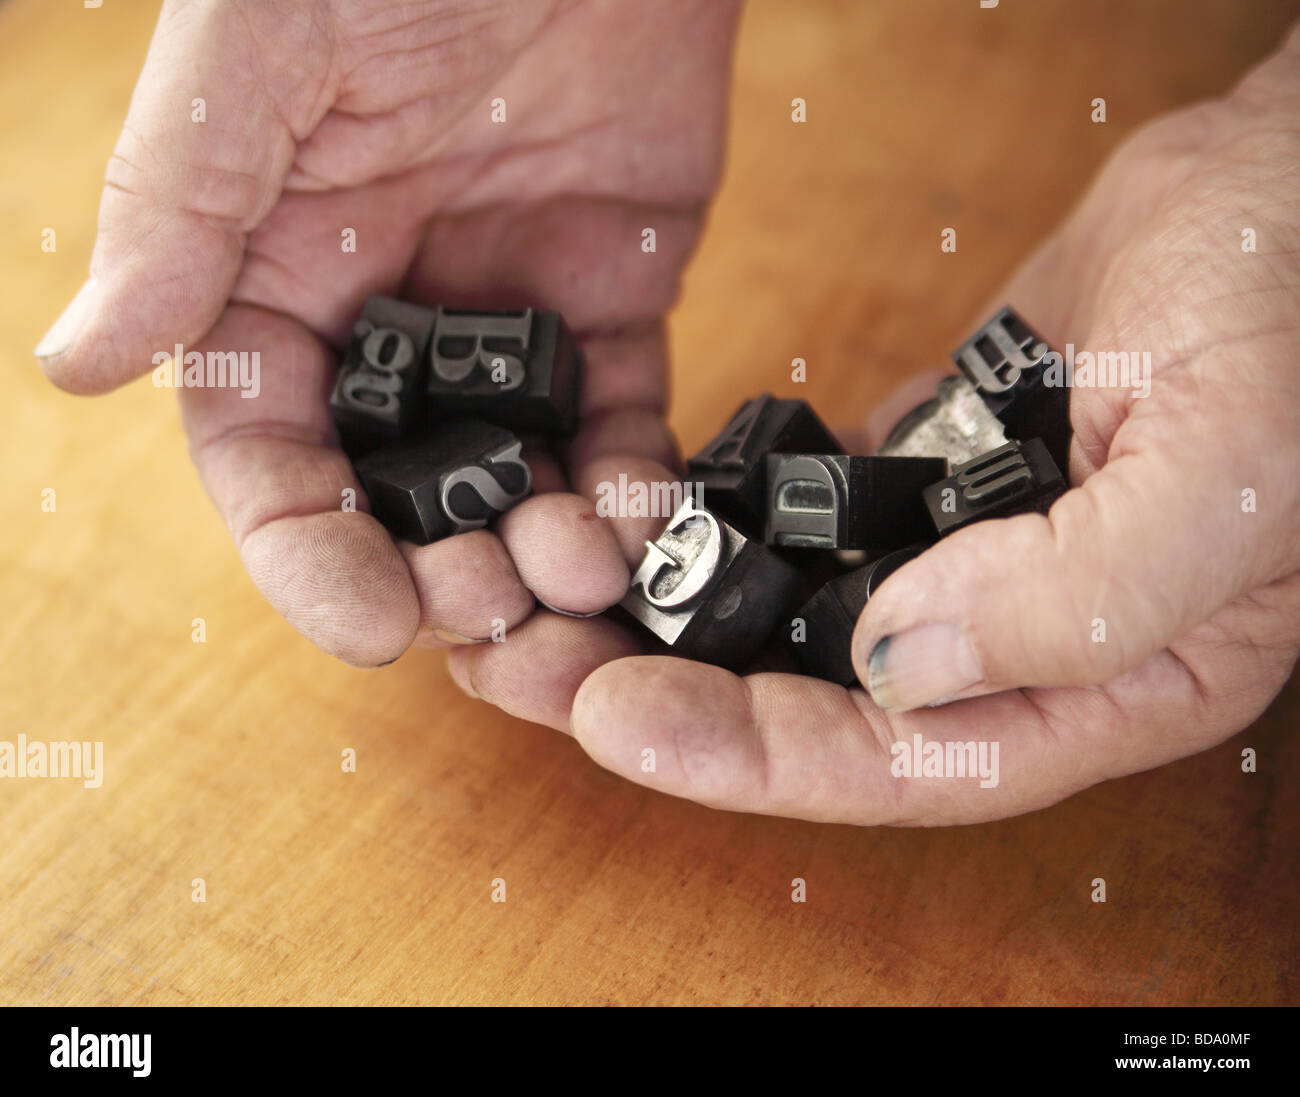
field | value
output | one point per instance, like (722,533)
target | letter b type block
(838,502)
(456,479)
(518,369)
(1011,479)
(732,468)
(708,591)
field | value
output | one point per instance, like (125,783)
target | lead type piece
(831,615)
(840,502)
(519,369)
(378,395)
(708,591)
(1013,479)
(449,482)
(731,468)
(1006,363)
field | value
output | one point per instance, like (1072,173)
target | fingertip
(338,579)
(565,553)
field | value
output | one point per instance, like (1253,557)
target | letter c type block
(457,479)
(708,591)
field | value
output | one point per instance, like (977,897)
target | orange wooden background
(223,758)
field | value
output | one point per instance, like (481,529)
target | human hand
(1198,594)
(226,235)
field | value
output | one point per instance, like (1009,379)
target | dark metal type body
(823,501)
(732,467)
(448,482)
(1013,479)
(378,396)
(708,591)
(830,616)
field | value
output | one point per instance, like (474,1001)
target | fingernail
(920,666)
(64,333)
(569,612)
(459,671)
(453,637)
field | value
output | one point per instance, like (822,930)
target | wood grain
(223,758)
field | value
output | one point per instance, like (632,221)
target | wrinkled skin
(228,233)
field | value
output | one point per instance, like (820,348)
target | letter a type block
(708,591)
(456,479)
(732,467)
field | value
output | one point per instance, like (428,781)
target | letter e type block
(1012,479)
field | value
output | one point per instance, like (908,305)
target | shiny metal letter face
(808,495)
(386,357)
(956,424)
(996,355)
(488,488)
(708,591)
(993,477)
(683,563)
(465,341)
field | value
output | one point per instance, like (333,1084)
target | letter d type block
(732,467)
(708,591)
(836,502)
(455,480)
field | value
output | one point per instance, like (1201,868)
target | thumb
(199,163)
(1149,546)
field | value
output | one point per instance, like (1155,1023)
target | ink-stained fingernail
(920,666)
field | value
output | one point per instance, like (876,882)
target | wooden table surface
(223,758)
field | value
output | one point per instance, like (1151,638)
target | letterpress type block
(378,395)
(519,369)
(837,502)
(455,479)
(822,645)
(1014,479)
(708,591)
(732,468)
(1007,363)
